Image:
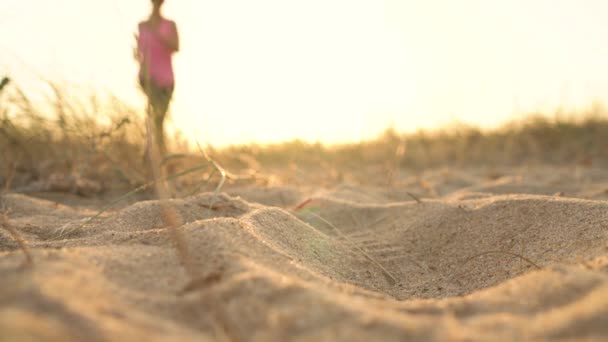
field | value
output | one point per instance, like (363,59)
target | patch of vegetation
(87,137)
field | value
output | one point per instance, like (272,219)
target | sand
(436,255)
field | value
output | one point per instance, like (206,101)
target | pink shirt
(155,56)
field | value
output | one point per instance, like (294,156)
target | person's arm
(172,42)
(137,49)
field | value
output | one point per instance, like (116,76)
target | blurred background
(324,70)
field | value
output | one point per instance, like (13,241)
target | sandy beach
(459,255)
(303,171)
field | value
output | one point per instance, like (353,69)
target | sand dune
(440,256)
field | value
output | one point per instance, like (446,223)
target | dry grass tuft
(90,137)
(573,139)
(96,144)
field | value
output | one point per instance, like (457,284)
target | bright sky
(328,70)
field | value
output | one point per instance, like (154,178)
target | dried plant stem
(415,198)
(170,215)
(302,205)
(144,187)
(503,252)
(220,316)
(388,274)
(29,260)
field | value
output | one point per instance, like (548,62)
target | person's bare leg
(159,120)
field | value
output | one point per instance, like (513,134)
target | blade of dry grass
(415,198)
(392,279)
(219,169)
(200,185)
(5,224)
(521,257)
(170,215)
(144,187)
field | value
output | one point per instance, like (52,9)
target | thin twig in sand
(170,215)
(502,252)
(144,187)
(29,260)
(469,259)
(414,197)
(198,188)
(219,169)
(302,205)
(221,183)
(224,174)
(388,274)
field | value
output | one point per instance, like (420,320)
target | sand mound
(350,263)
(270,196)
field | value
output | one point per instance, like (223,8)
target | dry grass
(576,138)
(93,139)
(63,135)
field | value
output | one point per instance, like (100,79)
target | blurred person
(157,40)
